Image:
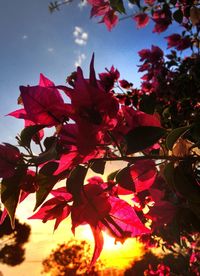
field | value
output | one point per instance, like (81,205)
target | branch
(148,157)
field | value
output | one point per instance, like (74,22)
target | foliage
(12,242)
(180,262)
(154,129)
(71,259)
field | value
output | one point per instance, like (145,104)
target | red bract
(104,212)
(151,55)
(179,42)
(141,19)
(173,40)
(136,118)
(163,211)
(93,207)
(125,84)
(94,112)
(43,104)
(108,79)
(138,177)
(103,8)
(110,19)
(143,173)
(55,208)
(99,7)
(9,159)
(162,270)
(162,18)
(122,221)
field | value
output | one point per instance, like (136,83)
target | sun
(114,254)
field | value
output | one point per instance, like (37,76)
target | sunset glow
(115,254)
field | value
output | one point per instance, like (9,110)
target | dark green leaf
(75,181)
(112,175)
(185,182)
(174,135)
(143,137)
(135,2)
(117,5)
(46,184)
(10,192)
(178,16)
(98,166)
(46,181)
(125,180)
(148,103)
(169,174)
(49,168)
(51,154)
(28,133)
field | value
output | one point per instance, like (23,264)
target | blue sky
(35,41)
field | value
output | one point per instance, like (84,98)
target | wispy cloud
(80,58)
(80,36)
(82,4)
(50,50)
(24,37)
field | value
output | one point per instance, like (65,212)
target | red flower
(108,79)
(55,208)
(43,104)
(141,19)
(125,84)
(173,40)
(162,18)
(94,111)
(110,19)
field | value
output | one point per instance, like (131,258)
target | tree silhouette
(72,258)
(12,251)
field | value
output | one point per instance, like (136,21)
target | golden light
(114,254)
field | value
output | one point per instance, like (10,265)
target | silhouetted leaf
(75,181)
(174,135)
(10,192)
(178,16)
(112,175)
(169,174)
(28,133)
(46,181)
(148,103)
(118,5)
(143,137)
(98,166)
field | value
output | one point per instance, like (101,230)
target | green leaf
(117,5)
(28,133)
(148,103)
(46,181)
(124,179)
(169,174)
(98,166)
(178,16)
(10,193)
(174,135)
(112,175)
(185,183)
(48,155)
(143,137)
(75,181)
(46,184)
(135,2)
